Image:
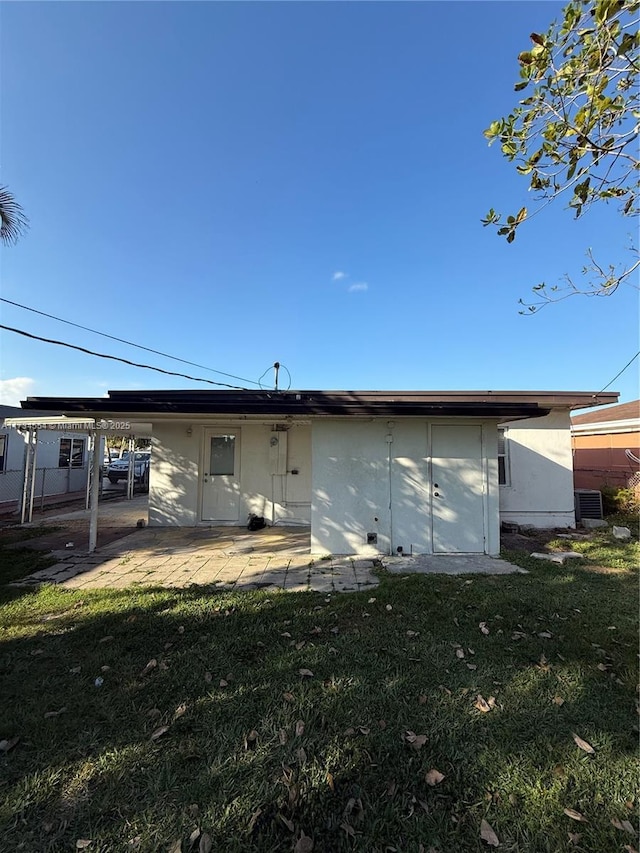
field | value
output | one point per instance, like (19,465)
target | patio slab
(227,557)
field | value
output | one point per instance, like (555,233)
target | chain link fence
(50,484)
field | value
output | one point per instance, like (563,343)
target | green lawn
(207,721)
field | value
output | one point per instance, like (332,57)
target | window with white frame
(504,475)
(71,453)
(3,452)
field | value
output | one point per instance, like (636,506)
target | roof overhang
(156,405)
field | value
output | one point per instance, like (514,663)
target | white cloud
(12,391)
(339,274)
(359,287)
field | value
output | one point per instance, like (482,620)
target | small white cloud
(358,287)
(12,391)
(339,274)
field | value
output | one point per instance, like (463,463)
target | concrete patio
(225,557)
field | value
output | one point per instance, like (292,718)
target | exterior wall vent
(588,503)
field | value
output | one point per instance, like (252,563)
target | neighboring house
(606,446)
(367,471)
(61,463)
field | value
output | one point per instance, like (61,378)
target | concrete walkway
(225,557)
(450,564)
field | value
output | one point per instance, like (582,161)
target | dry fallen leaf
(153,663)
(574,815)
(305,673)
(177,847)
(83,843)
(106,639)
(415,741)
(208,677)
(472,666)
(630,848)
(251,740)
(286,634)
(299,728)
(487,834)
(288,697)
(574,838)
(330,781)
(558,700)
(300,645)
(460,653)
(206,844)
(180,711)
(304,844)
(6,745)
(624,825)
(49,714)
(301,755)
(482,705)
(583,744)
(545,635)
(413,633)
(433,777)
(483,628)
(363,730)
(282,736)
(159,732)
(223,684)
(195,835)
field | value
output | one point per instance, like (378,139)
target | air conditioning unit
(588,503)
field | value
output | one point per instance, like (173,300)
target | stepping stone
(559,557)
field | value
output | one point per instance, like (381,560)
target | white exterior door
(457,489)
(221,476)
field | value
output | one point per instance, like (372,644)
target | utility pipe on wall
(389,440)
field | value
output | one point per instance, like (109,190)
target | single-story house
(368,471)
(61,463)
(606,446)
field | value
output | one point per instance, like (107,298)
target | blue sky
(196,174)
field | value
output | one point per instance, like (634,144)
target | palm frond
(13,222)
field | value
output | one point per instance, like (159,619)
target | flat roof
(305,403)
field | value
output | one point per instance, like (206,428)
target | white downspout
(389,440)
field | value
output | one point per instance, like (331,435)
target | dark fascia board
(503,404)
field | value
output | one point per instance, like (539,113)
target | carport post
(95,491)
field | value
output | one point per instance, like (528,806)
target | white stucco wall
(175,482)
(540,489)
(357,491)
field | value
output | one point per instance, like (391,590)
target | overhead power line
(122,360)
(628,364)
(129,343)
